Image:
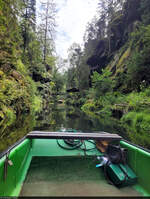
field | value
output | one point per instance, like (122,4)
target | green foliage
(126,53)
(90,107)
(51,61)
(73,99)
(81,100)
(8,115)
(102,84)
(58,82)
(102,92)
(17,90)
(24,78)
(77,74)
(139,62)
(17,96)
(21,67)
(71,78)
(9,33)
(37,104)
(138,125)
(124,57)
(144,9)
(138,101)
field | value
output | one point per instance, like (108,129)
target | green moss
(21,67)
(17,96)
(1,74)
(124,57)
(37,104)
(8,118)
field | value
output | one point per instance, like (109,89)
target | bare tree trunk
(45,37)
(25,33)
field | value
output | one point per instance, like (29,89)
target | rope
(76,144)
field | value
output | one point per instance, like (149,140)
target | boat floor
(69,176)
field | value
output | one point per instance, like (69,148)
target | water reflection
(18,130)
(56,116)
(73,117)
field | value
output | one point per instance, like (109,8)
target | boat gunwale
(9,149)
(135,145)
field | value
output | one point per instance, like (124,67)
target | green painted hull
(22,154)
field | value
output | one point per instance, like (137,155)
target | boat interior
(38,166)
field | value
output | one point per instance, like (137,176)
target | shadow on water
(23,125)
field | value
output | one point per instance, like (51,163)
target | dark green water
(72,117)
(55,117)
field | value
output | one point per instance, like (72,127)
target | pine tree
(28,20)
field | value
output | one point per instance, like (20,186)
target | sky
(72,18)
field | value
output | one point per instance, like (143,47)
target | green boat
(72,163)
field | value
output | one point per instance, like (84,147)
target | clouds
(72,17)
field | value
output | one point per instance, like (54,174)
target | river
(72,117)
(55,117)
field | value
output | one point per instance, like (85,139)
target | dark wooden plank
(70,135)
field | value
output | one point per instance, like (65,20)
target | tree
(28,20)
(47,26)
(144,8)
(102,84)
(74,58)
(10,39)
(17,89)
(84,73)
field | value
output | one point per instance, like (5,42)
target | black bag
(116,154)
